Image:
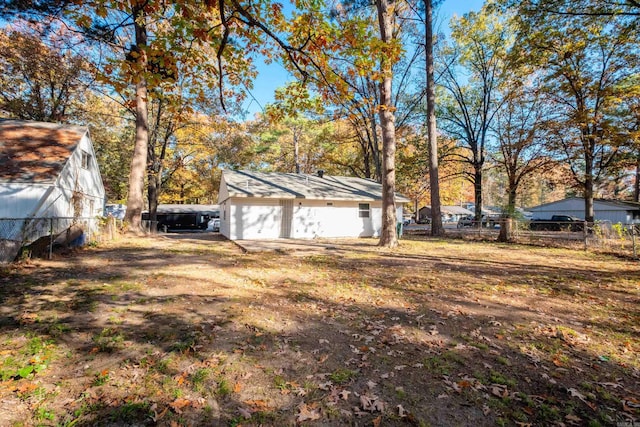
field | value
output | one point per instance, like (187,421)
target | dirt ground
(187,329)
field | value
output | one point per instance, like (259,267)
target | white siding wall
(254,218)
(320,218)
(86,181)
(20,200)
(224,219)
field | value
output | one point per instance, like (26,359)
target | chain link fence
(617,239)
(38,237)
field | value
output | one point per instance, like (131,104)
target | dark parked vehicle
(557,223)
(470,221)
(183,217)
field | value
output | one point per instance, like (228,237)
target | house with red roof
(47,170)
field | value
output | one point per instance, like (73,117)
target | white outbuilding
(261,205)
(47,170)
(613,211)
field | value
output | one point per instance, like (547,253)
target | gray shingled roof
(275,185)
(35,151)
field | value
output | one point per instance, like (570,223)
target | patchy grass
(188,330)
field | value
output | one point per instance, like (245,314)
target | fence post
(633,240)
(585,234)
(50,237)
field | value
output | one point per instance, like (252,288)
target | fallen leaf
(344,394)
(307,414)
(377,421)
(486,410)
(630,405)
(178,404)
(573,419)
(575,393)
(245,413)
(257,405)
(371,384)
(237,387)
(401,411)
(499,390)
(26,388)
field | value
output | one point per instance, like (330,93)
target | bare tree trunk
(588,186)
(374,147)
(506,223)
(636,188)
(153,190)
(477,192)
(388,235)
(434,183)
(296,148)
(588,199)
(139,161)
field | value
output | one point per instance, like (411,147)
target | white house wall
(53,199)
(320,218)
(260,218)
(19,199)
(251,218)
(87,182)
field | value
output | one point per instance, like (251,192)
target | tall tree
(521,143)
(434,181)
(388,236)
(474,67)
(609,8)
(588,61)
(138,55)
(40,81)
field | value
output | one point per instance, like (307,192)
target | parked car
(557,223)
(492,221)
(466,221)
(116,211)
(214,224)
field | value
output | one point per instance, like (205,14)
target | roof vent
(320,173)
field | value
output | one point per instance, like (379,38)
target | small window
(363,210)
(329,204)
(86,160)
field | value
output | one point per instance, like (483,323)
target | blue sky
(274,75)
